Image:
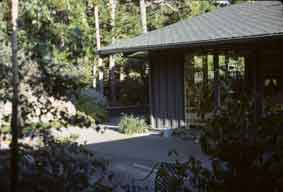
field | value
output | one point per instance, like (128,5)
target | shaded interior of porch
(190,85)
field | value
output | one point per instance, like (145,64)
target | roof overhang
(249,22)
(200,44)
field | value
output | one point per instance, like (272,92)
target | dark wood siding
(167,89)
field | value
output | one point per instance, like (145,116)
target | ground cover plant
(130,125)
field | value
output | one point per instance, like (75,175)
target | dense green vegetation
(133,125)
(60,35)
(57,50)
(57,45)
(246,153)
(94,109)
(53,165)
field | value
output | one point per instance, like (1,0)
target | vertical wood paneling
(161,91)
(167,89)
(259,89)
(167,79)
(171,101)
(180,91)
(182,64)
(156,91)
(152,92)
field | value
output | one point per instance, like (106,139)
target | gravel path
(132,157)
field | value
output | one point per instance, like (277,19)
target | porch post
(205,73)
(188,85)
(150,92)
(217,97)
(249,74)
(205,84)
(255,82)
(259,86)
(227,66)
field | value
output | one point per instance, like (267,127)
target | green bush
(90,107)
(132,125)
(55,164)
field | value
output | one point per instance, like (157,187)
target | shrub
(250,150)
(133,125)
(92,108)
(246,153)
(56,164)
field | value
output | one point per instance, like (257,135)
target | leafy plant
(56,164)
(249,149)
(133,125)
(92,108)
(246,152)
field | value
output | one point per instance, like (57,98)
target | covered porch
(189,85)
(196,63)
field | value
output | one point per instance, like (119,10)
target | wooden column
(192,70)
(249,74)
(204,86)
(150,92)
(217,96)
(226,66)
(188,59)
(254,78)
(259,85)
(205,73)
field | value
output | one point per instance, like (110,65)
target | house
(251,32)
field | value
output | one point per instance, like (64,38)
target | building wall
(188,67)
(167,89)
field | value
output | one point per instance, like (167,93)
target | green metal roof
(237,22)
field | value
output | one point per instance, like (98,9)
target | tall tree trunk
(112,57)
(99,84)
(143,15)
(15,105)
(144,27)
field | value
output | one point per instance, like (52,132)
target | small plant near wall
(130,125)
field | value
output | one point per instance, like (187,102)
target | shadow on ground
(133,158)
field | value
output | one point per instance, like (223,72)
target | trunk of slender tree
(143,15)
(94,80)
(98,84)
(144,27)
(112,58)
(15,106)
